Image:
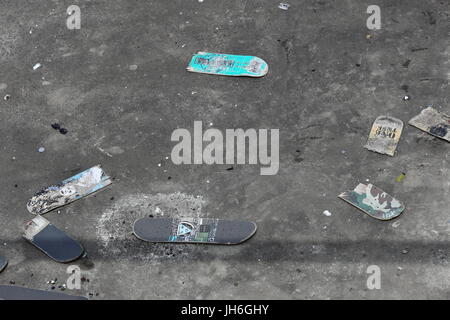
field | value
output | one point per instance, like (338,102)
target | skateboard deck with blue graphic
(69,190)
(193,230)
(433,122)
(3,263)
(21,293)
(54,242)
(228,65)
(373,201)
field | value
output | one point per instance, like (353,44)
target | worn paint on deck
(69,190)
(433,122)
(228,65)
(373,201)
(385,135)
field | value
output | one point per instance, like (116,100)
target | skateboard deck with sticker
(384,135)
(193,230)
(69,190)
(433,122)
(228,65)
(21,293)
(3,263)
(52,241)
(373,201)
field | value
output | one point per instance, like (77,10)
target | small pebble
(41,149)
(37,66)
(327,213)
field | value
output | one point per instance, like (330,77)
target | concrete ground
(329,78)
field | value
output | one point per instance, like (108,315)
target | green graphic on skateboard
(228,65)
(373,201)
(193,230)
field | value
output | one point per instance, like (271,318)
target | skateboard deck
(373,201)
(433,122)
(384,135)
(3,263)
(228,65)
(21,293)
(71,189)
(52,241)
(193,230)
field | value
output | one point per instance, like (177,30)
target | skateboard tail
(52,241)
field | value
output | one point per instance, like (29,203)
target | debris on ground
(58,127)
(228,65)
(21,293)
(54,242)
(284,6)
(385,135)
(7,97)
(406,98)
(433,122)
(396,224)
(3,263)
(401,177)
(69,190)
(37,66)
(373,201)
(41,149)
(327,213)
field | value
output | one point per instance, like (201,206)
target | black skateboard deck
(52,241)
(21,293)
(193,230)
(3,263)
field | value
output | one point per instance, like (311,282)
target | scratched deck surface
(190,230)
(228,65)
(69,190)
(373,201)
(433,122)
(385,135)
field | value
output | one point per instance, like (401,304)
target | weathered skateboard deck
(21,293)
(3,263)
(433,122)
(373,201)
(71,189)
(384,135)
(228,65)
(52,241)
(193,230)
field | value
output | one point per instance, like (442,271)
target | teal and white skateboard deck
(193,230)
(54,242)
(228,65)
(21,293)
(3,263)
(71,189)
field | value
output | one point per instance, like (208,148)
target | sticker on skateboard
(373,201)
(21,293)
(52,241)
(193,230)
(3,263)
(228,65)
(71,189)
(384,135)
(433,122)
